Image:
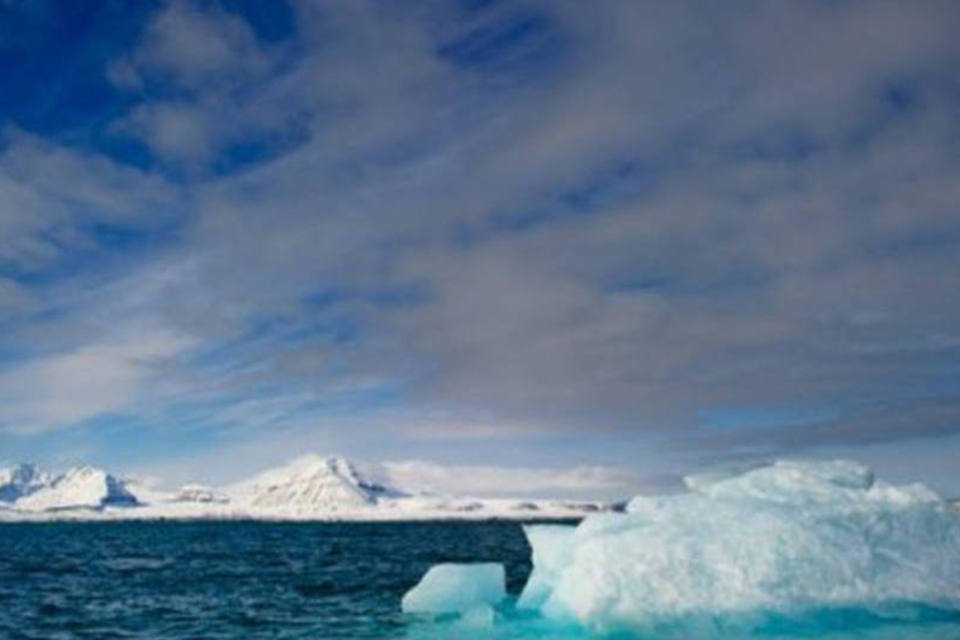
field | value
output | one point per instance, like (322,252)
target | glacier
(820,545)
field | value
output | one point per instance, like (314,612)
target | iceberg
(551,545)
(786,539)
(458,588)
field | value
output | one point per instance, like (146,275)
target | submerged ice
(788,541)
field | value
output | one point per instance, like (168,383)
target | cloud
(177,130)
(196,47)
(534,218)
(53,197)
(193,70)
(489,481)
(582,268)
(65,389)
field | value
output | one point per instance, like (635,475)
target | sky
(573,247)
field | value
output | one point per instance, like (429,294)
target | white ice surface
(456,588)
(784,538)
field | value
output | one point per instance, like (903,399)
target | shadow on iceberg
(794,549)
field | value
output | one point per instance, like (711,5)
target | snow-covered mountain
(309,488)
(311,484)
(80,487)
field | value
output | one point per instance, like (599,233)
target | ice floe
(458,588)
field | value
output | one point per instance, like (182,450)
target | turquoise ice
(786,538)
(822,547)
(458,588)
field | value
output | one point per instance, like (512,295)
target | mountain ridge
(311,487)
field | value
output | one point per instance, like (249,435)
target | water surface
(251,580)
(230,579)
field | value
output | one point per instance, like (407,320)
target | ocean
(233,580)
(178,580)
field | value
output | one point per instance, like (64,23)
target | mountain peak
(82,486)
(310,484)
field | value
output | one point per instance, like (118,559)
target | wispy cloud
(62,390)
(484,481)
(53,200)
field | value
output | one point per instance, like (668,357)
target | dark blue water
(230,580)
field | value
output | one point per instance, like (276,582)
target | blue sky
(595,245)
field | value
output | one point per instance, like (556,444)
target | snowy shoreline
(97,517)
(170,513)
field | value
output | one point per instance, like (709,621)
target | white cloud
(494,481)
(61,390)
(50,195)
(729,281)
(675,208)
(216,64)
(178,131)
(196,47)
